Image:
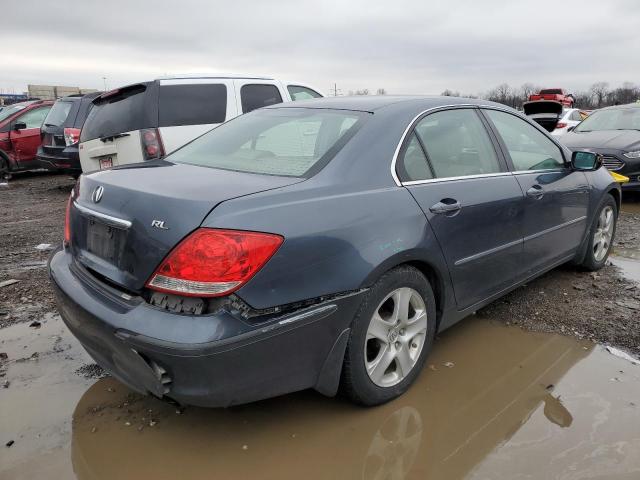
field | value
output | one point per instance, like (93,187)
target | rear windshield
(294,142)
(195,104)
(119,112)
(551,91)
(58,114)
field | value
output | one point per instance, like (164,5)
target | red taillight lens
(67,222)
(561,125)
(211,262)
(151,143)
(71,136)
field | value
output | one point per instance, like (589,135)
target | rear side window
(259,95)
(414,165)
(196,104)
(298,92)
(121,111)
(294,142)
(528,148)
(457,144)
(58,114)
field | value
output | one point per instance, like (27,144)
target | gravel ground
(602,306)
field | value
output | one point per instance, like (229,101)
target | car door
(452,167)
(254,94)
(26,141)
(556,197)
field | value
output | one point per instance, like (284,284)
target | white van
(148,120)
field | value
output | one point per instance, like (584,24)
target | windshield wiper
(633,129)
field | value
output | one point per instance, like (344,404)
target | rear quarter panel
(336,240)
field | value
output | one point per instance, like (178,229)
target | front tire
(601,235)
(391,336)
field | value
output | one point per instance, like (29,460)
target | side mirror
(19,126)
(586,161)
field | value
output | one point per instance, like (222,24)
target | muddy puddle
(494,402)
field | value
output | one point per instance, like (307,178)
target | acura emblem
(96,196)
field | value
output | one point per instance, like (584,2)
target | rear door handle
(535,192)
(446,206)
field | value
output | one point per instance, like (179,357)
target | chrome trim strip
(553,229)
(113,221)
(449,179)
(491,251)
(550,170)
(397,151)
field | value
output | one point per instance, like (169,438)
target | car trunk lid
(545,113)
(126,220)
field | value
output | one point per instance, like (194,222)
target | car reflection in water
(446,424)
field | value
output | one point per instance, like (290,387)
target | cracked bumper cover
(208,360)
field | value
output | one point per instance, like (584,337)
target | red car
(554,94)
(20,134)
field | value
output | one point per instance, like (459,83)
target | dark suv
(61,131)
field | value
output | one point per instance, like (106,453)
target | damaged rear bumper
(211,360)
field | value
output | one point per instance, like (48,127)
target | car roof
(372,103)
(215,75)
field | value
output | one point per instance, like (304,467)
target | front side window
(259,95)
(575,116)
(194,104)
(528,148)
(34,118)
(298,92)
(294,142)
(457,144)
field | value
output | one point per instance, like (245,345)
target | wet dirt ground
(540,406)
(517,400)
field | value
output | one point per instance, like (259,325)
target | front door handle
(446,206)
(535,192)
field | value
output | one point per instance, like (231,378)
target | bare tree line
(597,96)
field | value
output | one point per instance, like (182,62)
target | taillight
(212,262)
(561,125)
(151,143)
(71,136)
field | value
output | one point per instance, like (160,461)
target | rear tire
(601,235)
(391,335)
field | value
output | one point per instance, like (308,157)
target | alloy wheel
(395,337)
(604,234)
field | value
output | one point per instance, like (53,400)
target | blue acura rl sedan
(320,245)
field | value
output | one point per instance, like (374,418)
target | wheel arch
(435,275)
(615,193)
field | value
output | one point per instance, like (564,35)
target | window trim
(502,161)
(505,150)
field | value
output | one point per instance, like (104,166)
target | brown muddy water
(494,402)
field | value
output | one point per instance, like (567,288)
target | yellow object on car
(619,178)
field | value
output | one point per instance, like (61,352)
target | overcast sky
(419,46)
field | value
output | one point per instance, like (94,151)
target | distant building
(9,98)
(51,92)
